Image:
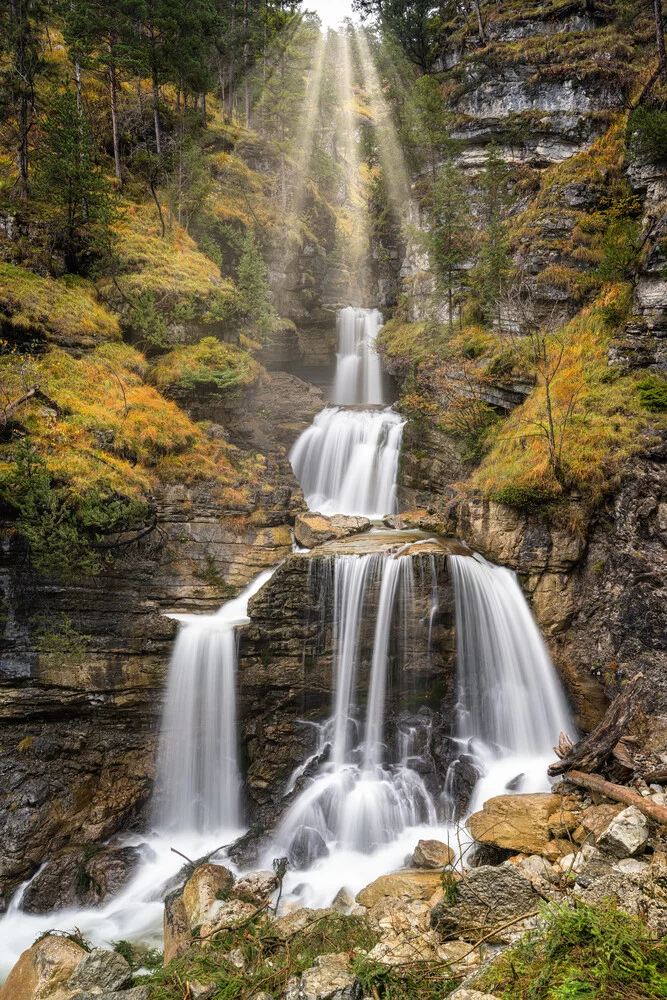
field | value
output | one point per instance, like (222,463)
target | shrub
(653,393)
(647,134)
(210,367)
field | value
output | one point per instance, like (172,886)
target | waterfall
(356,801)
(359,368)
(511,705)
(198,783)
(347,462)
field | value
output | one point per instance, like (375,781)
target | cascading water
(511,706)
(347,460)
(359,368)
(198,775)
(356,802)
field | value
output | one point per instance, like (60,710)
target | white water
(347,460)
(356,803)
(198,783)
(359,368)
(511,706)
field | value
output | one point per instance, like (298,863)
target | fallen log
(619,793)
(593,750)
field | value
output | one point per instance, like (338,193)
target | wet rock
(343,901)
(208,885)
(42,969)
(307,847)
(177,932)
(227,916)
(626,835)
(432,854)
(394,521)
(311,530)
(82,878)
(515,822)
(487,897)
(411,883)
(329,979)
(293,923)
(255,887)
(106,971)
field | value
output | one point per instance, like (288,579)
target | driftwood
(659,777)
(619,793)
(591,752)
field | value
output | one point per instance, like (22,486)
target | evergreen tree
(70,182)
(451,234)
(22,24)
(416,25)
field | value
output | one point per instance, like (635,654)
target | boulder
(535,865)
(596,818)
(311,530)
(293,923)
(200,991)
(343,901)
(487,898)
(227,916)
(626,835)
(208,885)
(81,878)
(42,969)
(177,932)
(329,979)
(410,883)
(307,847)
(465,994)
(515,822)
(432,854)
(563,822)
(106,971)
(256,887)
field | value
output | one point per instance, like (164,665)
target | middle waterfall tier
(347,462)
(359,374)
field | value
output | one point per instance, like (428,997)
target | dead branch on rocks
(593,750)
(619,793)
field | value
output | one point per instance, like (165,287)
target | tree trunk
(480,23)
(593,750)
(659,35)
(619,794)
(246,62)
(113,99)
(156,106)
(231,67)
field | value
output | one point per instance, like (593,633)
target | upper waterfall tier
(359,368)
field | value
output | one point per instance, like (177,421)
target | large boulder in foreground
(311,530)
(516,822)
(329,979)
(487,899)
(42,969)
(101,972)
(626,835)
(209,884)
(177,931)
(411,883)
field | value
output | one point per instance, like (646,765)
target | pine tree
(451,235)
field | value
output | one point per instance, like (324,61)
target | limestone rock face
(411,883)
(487,898)
(106,971)
(515,822)
(329,979)
(177,932)
(626,835)
(311,530)
(432,854)
(42,969)
(204,890)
